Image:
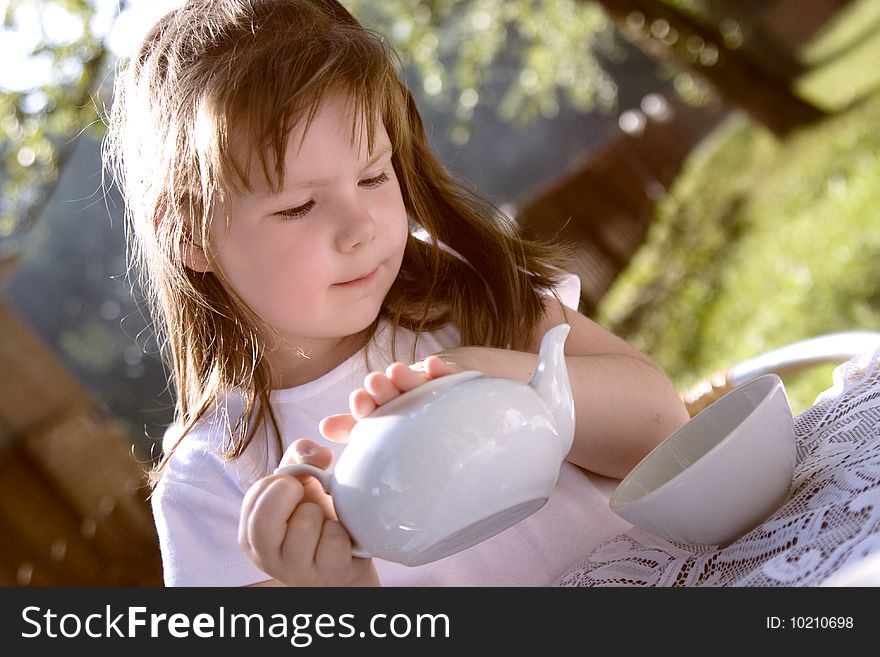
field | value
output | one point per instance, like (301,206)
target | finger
(380,388)
(334,548)
(315,494)
(337,427)
(253,494)
(436,367)
(302,537)
(361,404)
(405,378)
(266,525)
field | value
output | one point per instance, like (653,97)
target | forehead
(331,131)
(337,122)
(335,139)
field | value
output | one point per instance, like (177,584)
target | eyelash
(302,210)
(376,181)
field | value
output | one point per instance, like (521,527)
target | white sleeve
(196,507)
(569,290)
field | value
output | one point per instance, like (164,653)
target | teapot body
(446,466)
(453,461)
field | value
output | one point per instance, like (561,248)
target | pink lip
(358,281)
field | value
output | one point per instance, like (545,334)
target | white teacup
(721,474)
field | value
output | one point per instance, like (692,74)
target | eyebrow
(378,154)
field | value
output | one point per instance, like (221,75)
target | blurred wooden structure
(793,22)
(604,207)
(73,508)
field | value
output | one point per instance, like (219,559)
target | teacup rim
(777,383)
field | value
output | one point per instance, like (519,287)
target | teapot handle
(296,469)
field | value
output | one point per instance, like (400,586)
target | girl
(294,231)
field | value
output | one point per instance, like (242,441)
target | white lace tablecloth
(828,533)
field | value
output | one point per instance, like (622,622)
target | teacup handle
(295,469)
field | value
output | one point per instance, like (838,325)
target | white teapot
(454,461)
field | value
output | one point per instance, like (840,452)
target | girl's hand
(380,388)
(289,529)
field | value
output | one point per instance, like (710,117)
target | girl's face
(316,260)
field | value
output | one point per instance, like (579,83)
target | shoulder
(196,506)
(197,502)
(198,456)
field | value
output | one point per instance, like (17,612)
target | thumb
(309,452)
(320,456)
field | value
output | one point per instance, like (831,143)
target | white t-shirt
(197,502)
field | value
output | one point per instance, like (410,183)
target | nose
(356,227)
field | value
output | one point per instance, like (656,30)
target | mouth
(360,280)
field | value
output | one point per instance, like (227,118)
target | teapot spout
(551,383)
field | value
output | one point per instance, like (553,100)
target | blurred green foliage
(759,243)
(37,123)
(763,242)
(455,47)
(843,59)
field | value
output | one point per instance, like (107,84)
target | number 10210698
(810,623)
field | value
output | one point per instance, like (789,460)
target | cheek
(269,271)
(291,273)
(395,212)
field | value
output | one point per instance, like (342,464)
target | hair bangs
(252,118)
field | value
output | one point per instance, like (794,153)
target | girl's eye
(302,210)
(372,183)
(298,212)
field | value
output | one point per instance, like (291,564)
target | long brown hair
(214,71)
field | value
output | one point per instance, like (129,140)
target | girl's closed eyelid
(302,210)
(375,181)
(298,212)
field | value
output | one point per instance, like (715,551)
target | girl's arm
(624,403)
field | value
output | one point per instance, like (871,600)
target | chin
(358,323)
